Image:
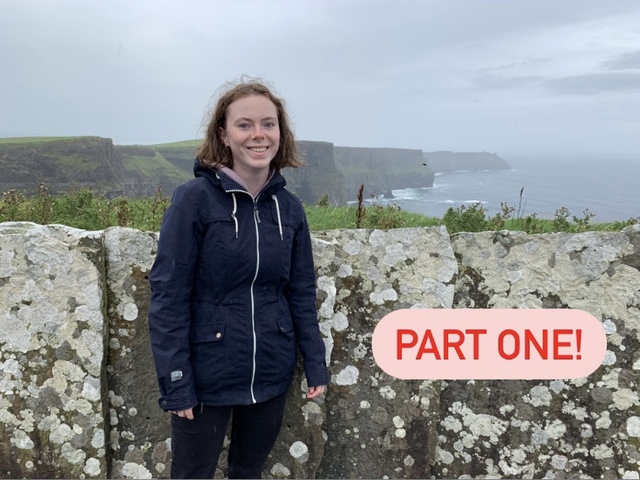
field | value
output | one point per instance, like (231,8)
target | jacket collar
(222,179)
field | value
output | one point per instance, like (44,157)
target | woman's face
(252,133)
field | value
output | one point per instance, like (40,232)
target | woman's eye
(244,125)
(270,125)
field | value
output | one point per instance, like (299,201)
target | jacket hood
(221,180)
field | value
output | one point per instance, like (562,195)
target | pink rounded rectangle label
(484,344)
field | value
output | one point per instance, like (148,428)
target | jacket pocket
(212,332)
(279,348)
(209,355)
(285,324)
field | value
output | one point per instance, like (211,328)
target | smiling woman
(251,133)
(233,291)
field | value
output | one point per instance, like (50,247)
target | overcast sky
(461,75)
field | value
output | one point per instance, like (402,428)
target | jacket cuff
(317,374)
(177,401)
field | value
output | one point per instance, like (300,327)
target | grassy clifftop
(64,163)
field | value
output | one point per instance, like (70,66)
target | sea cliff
(138,170)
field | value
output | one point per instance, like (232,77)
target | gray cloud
(488,81)
(596,83)
(626,61)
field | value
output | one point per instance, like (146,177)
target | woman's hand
(313,392)
(188,413)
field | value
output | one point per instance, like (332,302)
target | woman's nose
(258,133)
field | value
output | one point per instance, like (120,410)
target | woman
(233,291)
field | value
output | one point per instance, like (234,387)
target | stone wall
(78,391)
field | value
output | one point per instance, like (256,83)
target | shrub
(40,209)
(560,222)
(466,219)
(12,203)
(384,217)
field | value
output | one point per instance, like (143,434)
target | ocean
(608,186)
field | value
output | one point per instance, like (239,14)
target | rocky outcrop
(78,394)
(381,170)
(92,163)
(61,164)
(445,161)
(320,176)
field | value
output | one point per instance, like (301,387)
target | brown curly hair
(213,153)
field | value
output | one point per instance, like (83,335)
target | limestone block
(52,339)
(376,425)
(583,428)
(139,429)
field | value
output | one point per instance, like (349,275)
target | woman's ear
(223,136)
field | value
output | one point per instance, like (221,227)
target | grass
(151,166)
(17,140)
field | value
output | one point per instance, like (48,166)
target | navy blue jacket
(233,294)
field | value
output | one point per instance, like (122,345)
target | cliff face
(76,162)
(318,177)
(138,170)
(78,389)
(381,169)
(87,162)
(444,161)
(146,169)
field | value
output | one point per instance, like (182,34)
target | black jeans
(196,444)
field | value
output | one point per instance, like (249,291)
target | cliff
(381,170)
(85,162)
(61,164)
(137,170)
(444,161)
(78,395)
(318,177)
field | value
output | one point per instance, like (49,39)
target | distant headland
(96,163)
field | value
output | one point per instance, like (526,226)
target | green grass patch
(19,140)
(155,167)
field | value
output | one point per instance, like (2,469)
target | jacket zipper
(256,221)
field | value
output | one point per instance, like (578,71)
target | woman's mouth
(258,149)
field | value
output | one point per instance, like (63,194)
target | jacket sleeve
(171,280)
(301,296)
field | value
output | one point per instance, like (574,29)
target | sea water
(607,186)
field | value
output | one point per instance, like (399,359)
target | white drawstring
(233,214)
(275,199)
